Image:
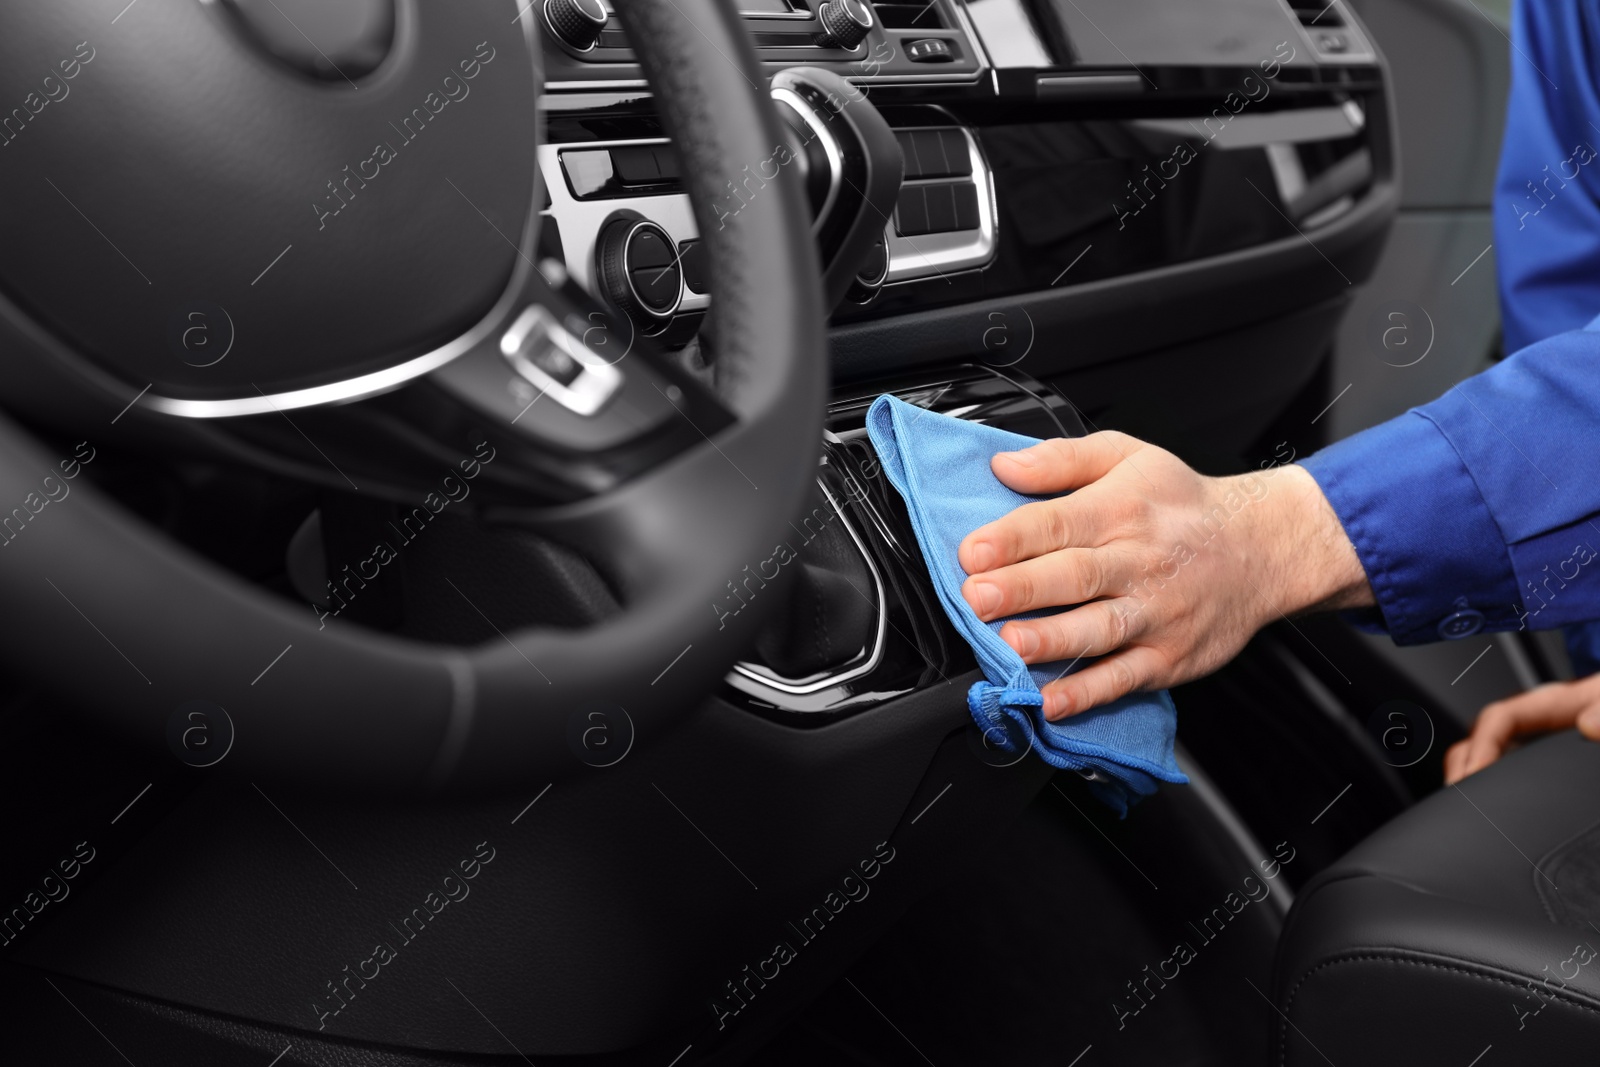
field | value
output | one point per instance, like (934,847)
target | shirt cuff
(1583,648)
(1435,557)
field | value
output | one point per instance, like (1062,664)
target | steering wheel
(187,159)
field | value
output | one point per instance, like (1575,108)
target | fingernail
(985,597)
(982,555)
(1021,459)
(1025,641)
(1055,706)
(1589,723)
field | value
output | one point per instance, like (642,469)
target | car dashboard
(1065,164)
(1106,210)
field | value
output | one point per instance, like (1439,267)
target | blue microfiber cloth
(940,465)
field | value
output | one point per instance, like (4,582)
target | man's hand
(1172,571)
(1556,706)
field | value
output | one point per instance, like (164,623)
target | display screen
(1119,33)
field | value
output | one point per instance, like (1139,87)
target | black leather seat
(1473,920)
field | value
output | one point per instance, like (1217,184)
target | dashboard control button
(845,23)
(692,259)
(645,164)
(588,171)
(635,165)
(929,50)
(1333,42)
(576,23)
(558,364)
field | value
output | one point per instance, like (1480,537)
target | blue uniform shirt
(1481,510)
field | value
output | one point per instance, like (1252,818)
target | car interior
(466,622)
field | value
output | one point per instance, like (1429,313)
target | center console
(860,584)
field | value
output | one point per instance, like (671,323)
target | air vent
(1317,16)
(928,15)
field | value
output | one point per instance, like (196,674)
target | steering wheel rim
(349,708)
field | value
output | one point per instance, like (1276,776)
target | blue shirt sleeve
(1547,209)
(1547,191)
(1482,508)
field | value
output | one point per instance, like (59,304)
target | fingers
(1455,762)
(1063,463)
(1033,530)
(1070,576)
(1092,630)
(1589,722)
(1100,683)
(1549,707)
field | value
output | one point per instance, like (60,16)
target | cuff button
(1463,623)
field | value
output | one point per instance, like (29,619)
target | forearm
(1306,560)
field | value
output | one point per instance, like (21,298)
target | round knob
(844,23)
(576,23)
(640,269)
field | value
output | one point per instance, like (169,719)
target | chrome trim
(802,16)
(935,253)
(873,283)
(830,148)
(627,273)
(790,14)
(861,7)
(868,81)
(390,378)
(580,221)
(980,54)
(772,681)
(593,386)
(607,83)
(550,24)
(361,386)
